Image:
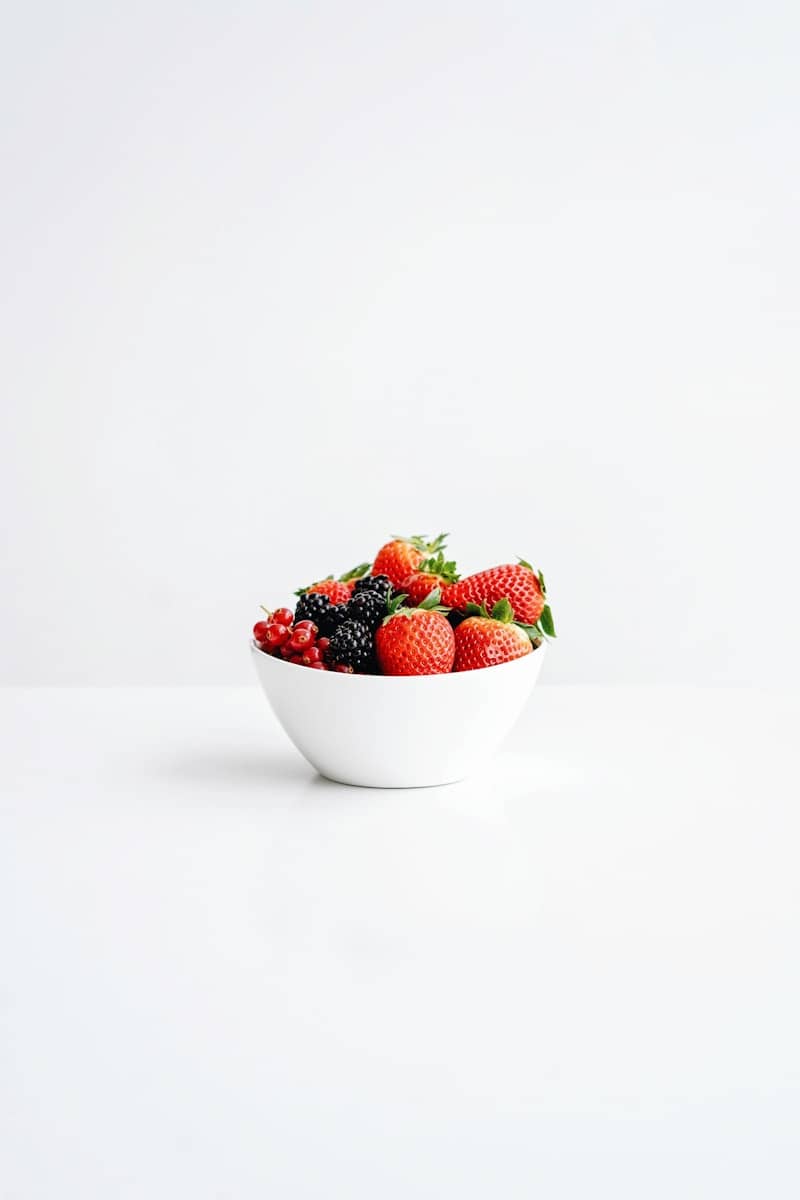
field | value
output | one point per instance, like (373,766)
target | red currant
(286,650)
(323,644)
(343,669)
(300,639)
(283,616)
(311,655)
(318,666)
(260,631)
(276,634)
(307,625)
(297,658)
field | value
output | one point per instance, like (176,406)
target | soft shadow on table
(243,777)
(241,771)
(234,776)
(321,791)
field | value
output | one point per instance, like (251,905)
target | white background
(280,279)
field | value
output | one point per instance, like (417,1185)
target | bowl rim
(380,680)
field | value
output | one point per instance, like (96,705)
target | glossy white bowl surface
(397,731)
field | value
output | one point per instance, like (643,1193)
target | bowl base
(392,787)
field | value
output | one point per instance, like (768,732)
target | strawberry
(337,590)
(516,582)
(399,557)
(415,641)
(431,573)
(486,641)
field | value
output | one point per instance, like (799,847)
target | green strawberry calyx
(397,607)
(420,542)
(355,572)
(437,565)
(545,626)
(504,613)
(501,611)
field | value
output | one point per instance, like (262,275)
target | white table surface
(222,976)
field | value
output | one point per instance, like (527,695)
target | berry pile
(409,613)
(327,634)
(296,641)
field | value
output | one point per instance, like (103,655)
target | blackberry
(381,584)
(336,617)
(314,606)
(368,608)
(351,645)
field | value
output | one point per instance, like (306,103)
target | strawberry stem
(397,608)
(420,542)
(437,565)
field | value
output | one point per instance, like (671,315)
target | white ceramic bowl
(397,731)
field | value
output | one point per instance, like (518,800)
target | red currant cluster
(298,643)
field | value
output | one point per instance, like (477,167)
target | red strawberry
(415,641)
(399,557)
(487,641)
(431,573)
(338,590)
(516,582)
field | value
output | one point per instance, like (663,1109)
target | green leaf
(547,623)
(355,573)
(524,563)
(432,599)
(541,584)
(503,611)
(421,542)
(475,610)
(397,607)
(436,565)
(396,603)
